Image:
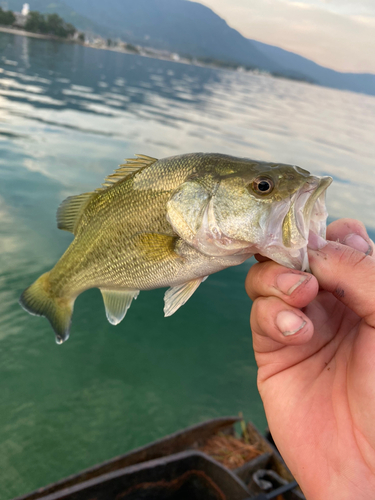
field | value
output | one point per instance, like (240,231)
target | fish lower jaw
(311,225)
(293,258)
(296,256)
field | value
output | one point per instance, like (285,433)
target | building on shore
(21,17)
(25,9)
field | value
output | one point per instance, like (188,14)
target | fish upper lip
(290,222)
(306,219)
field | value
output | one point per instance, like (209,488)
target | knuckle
(349,257)
(255,307)
(257,310)
(338,229)
(256,278)
(266,273)
(263,309)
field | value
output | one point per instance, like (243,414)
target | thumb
(348,274)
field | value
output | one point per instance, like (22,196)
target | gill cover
(191,213)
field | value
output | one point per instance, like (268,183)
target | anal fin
(177,296)
(117,302)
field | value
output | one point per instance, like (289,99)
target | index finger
(296,288)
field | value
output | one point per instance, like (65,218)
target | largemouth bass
(171,223)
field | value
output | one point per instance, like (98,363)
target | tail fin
(40,301)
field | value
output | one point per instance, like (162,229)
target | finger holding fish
(296,288)
(275,289)
(275,324)
(351,232)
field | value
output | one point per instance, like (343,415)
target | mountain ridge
(192,29)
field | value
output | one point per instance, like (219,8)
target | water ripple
(69,115)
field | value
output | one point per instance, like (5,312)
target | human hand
(317,379)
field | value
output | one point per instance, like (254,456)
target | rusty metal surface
(167,476)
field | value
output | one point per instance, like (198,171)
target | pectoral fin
(177,296)
(117,302)
(155,247)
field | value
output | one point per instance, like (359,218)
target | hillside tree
(7,18)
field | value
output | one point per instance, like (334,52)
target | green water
(68,117)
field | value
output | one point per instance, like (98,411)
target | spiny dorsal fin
(131,165)
(177,296)
(70,211)
(117,302)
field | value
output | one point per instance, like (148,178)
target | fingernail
(316,242)
(288,282)
(289,323)
(358,243)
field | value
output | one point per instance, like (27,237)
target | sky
(338,34)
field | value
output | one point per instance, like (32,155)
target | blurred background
(165,78)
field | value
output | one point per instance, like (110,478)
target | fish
(171,223)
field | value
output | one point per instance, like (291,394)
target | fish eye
(263,185)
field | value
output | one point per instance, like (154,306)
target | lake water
(68,116)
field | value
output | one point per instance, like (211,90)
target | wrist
(350,480)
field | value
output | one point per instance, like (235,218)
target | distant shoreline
(144,52)
(16,31)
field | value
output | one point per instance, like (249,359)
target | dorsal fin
(70,211)
(131,165)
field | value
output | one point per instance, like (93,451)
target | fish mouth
(307,213)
